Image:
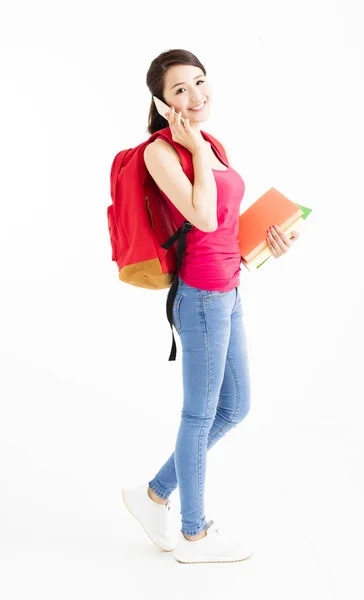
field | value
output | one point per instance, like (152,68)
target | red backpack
(147,244)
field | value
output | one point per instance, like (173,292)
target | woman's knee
(242,411)
(201,422)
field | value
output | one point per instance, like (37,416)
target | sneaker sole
(221,559)
(151,539)
(197,562)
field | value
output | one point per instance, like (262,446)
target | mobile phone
(162,108)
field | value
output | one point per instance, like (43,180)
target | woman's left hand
(278,242)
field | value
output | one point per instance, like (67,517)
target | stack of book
(271,208)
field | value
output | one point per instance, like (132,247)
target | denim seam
(236,387)
(236,403)
(236,298)
(157,491)
(206,405)
(176,310)
(194,531)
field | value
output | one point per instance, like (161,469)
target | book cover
(271,207)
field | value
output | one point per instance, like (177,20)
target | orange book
(271,208)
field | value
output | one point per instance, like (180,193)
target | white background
(89,401)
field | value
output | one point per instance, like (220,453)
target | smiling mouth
(199,108)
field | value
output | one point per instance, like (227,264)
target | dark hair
(155,81)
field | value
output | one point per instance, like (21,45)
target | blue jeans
(216,392)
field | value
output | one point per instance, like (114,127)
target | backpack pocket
(114,238)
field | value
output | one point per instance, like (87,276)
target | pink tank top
(212,259)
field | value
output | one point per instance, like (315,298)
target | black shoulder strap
(180,234)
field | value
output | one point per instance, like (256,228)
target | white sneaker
(153,517)
(213,547)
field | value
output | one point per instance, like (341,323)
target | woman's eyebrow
(181,82)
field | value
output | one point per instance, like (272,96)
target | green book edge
(305,212)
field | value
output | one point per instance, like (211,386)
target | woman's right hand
(183,132)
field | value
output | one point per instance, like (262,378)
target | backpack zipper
(150,212)
(166,218)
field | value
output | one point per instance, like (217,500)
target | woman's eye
(199,81)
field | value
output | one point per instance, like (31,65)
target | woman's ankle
(153,496)
(194,538)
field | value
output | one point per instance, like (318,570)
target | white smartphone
(162,108)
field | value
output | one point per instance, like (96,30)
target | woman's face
(185,86)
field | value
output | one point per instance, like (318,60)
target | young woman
(207,312)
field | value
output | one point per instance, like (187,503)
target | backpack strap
(167,134)
(181,150)
(210,138)
(179,235)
